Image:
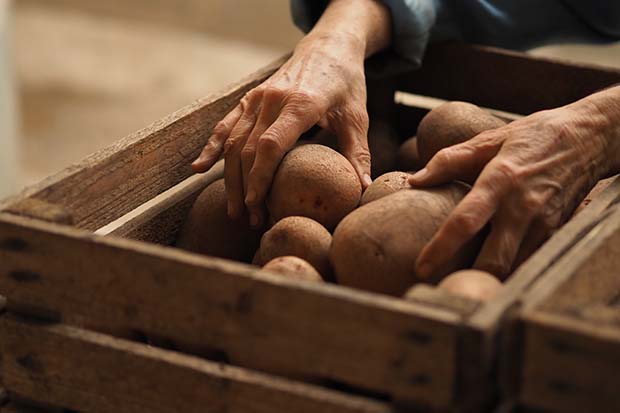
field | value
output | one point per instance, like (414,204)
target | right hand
(322,83)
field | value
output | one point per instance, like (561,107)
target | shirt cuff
(412,22)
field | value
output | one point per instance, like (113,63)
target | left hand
(531,175)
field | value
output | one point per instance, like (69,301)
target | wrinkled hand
(323,82)
(531,174)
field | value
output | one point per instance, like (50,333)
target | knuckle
(269,143)
(466,224)
(445,156)
(508,173)
(222,128)
(362,155)
(247,154)
(274,93)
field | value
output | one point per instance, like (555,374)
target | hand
(323,82)
(531,174)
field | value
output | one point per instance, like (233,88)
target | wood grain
(505,80)
(112,182)
(570,366)
(322,332)
(92,372)
(159,220)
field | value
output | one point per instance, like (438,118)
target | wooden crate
(87,271)
(568,327)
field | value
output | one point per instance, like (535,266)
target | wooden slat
(92,372)
(159,220)
(570,366)
(571,344)
(509,81)
(485,328)
(312,331)
(112,182)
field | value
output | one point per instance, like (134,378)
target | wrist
(360,24)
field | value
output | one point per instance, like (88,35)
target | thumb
(353,142)
(462,162)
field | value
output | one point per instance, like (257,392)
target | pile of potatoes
(325,229)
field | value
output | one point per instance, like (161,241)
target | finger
(500,249)
(353,140)
(270,149)
(465,221)
(459,162)
(233,176)
(215,144)
(270,109)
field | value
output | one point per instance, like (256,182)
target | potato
(376,246)
(298,236)
(317,182)
(450,124)
(208,230)
(408,158)
(293,267)
(385,185)
(474,284)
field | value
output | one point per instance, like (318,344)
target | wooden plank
(570,365)
(313,331)
(92,372)
(506,80)
(159,220)
(491,323)
(571,323)
(114,181)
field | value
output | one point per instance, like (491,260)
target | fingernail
(367,179)
(425,269)
(418,176)
(254,221)
(251,197)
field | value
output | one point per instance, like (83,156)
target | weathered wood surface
(159,220)
(500,79)
(489,340)
(570,365)
(571,327)
(114,181)
(312,331)
(91,372)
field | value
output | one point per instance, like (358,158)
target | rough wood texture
(572,328)
(436,297)
(35,208)
(117,179)
(491,322)
(570,366)
(315,331)
(509,81)
(92,372)
(159,220)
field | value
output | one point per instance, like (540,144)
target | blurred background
(77,75)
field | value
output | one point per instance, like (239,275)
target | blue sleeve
(524,24)
(512,24)
(412,21)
